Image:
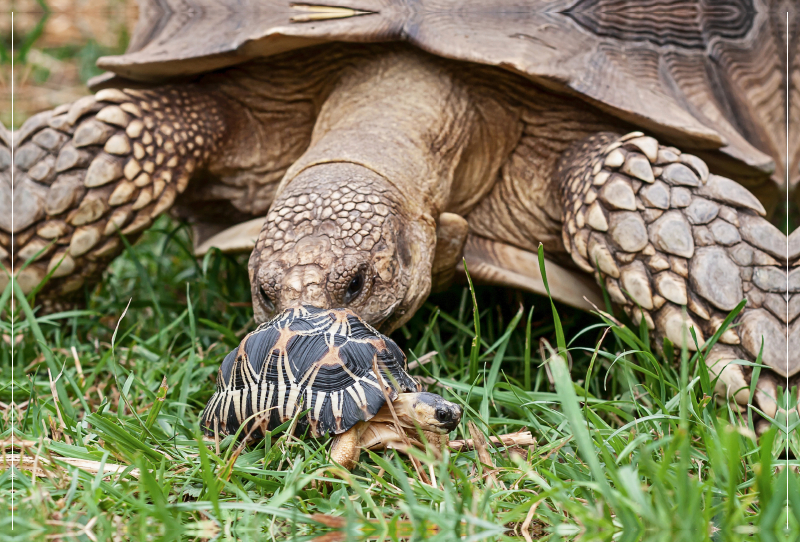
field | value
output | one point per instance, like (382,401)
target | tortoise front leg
(108,162)
(664,234)
(384,436)
(346,447)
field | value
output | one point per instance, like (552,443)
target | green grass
(629,446)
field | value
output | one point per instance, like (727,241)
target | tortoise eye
(354,288)
(266,299)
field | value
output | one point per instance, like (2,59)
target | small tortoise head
(423,410)
(434,413)
(339,235)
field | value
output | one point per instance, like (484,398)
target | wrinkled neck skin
(354,220)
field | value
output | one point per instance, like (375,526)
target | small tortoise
(338,368)
(385,140)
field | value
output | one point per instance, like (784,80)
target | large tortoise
(385,140)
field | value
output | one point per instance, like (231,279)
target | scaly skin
(110,162)
(660,232)
(415,412)
(346,448)
(322,235)
(233,134)
(361,203)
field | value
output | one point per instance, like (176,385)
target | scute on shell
(623,66)
(310,359)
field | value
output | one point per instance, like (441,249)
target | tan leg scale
(77,180)
(681,247)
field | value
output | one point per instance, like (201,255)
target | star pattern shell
(323,361)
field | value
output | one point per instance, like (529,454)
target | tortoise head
(340,235)
(423,410)
(433,412)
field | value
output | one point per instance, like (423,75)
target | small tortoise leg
(662,233)
(382,436)
(346,447)
(112,161)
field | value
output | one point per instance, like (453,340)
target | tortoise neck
(400,115)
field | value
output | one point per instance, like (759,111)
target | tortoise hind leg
(664,233)
(108,162)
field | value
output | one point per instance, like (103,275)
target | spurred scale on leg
(664,233)
(85,171)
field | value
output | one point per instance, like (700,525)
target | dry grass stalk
(422,360)
(520,438)
(78,366)
(63,426)
(398,427)
(525,528)
(23,462)
(19,443)
(479,442)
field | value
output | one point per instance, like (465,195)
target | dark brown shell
(708,74)
(323,361)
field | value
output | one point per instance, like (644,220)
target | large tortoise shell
(705,73)
(306,358)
